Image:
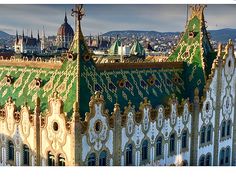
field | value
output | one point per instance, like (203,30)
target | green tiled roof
(197,52)
(137,49)
(121,84)
(23,88)
(114,47)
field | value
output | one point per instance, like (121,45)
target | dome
(137,49)
(114,48)
(65,29)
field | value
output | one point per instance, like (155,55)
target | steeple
(43,33)
(23,34)
(194,48)
(17,38)
(65,19)
(98,41)
(38,36)
(31,35)
(90,40)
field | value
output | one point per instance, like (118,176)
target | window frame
(159,146)
(172,143)
(26,155)
(185,141)
(103,159)
(92,159)
(11,151)
(129,155)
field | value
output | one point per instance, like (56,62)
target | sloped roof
(137,49)
(23,88)
(114,47)
(195,49)
(124,82)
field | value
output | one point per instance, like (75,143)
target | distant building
(124,50)
(65,35)
(27,44)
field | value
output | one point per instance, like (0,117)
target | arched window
(145,150)
(172,143)
(209,130)
(129,158)
(228,130)
(103,158)
(203,133)
(25,155)
(223,129)
(61,160)
(227,156)
(51,159)
(184,139)
(11,150)
(208,159)
(159,146)
(222,157)
(92,160)
(202,160)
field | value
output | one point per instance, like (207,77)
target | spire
(65,19)
(31,34)
(90,40)
(17,38)
(98,41)
(23,34)
(187,16)
(38,36)
(43,33)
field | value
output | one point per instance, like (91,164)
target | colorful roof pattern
(195,49)
(20,83)
(124,82)
(187,68)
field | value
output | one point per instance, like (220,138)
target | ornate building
(65,35)
(78,112)
(27,44)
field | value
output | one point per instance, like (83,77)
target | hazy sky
(103,18)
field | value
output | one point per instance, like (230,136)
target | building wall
(76,140)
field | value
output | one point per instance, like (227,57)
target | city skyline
(103,18)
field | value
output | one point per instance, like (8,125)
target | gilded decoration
(98,121)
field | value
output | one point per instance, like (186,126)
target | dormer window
(191,34)
(38,82)
(9,79)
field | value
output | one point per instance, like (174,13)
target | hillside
(222,35)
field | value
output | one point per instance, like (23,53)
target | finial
(129,104)
(197,10)
(38,36)
(196,92)
(17,38)
(79,10)
(116,107)
(65,19)
(219,49)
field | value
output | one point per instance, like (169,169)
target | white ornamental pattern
(146,118)
(207,110)
(227,104)
(130,123)
(97,137)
